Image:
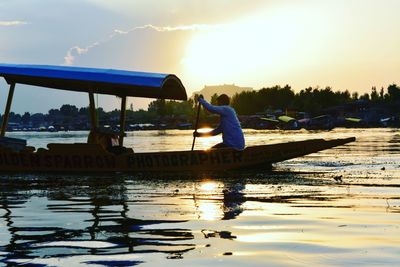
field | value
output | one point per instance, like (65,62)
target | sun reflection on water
(208,186)
(209,141)
(209,210)
(209,207)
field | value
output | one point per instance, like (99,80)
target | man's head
(223,100)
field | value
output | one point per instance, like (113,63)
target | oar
(196,124)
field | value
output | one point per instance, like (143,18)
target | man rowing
(229,126)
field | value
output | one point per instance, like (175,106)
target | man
(229,126)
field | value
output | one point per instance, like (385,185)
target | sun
(237,49)
(262,47)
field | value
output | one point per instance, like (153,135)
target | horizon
(347,45)
(243,89)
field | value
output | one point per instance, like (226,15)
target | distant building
(228,89)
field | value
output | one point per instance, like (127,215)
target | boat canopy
(285,118)
(353,119)
(93,80)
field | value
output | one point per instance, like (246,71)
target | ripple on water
(338,207)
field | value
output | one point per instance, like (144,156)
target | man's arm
(216,131)
(211,108)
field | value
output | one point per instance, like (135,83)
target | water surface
(338,207)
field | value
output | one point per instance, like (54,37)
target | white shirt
(229,126)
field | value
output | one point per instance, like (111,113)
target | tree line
(312,100)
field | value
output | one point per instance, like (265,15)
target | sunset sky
(346,44)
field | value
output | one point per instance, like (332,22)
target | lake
(338,207)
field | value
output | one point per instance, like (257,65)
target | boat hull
(92,158)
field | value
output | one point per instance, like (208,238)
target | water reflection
(298,214)
(220,200)
(127,220)
(51,218)
(74,216)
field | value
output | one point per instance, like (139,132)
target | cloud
(75,51)
(12,23)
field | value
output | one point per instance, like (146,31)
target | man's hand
(196,134)
(198,97)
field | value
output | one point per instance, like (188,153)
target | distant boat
(51,129)
(104,151)
(288,123)
(323,122)
(141,126)
(184,126)
(355,120)
(388,121)
(260,123)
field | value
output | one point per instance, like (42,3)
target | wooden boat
(95,156)
(322,122)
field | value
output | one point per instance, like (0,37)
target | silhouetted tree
(214,99)
(365,97)
(26,118)
(393,93)
(157,107)
(84,111)
(382,93)
(374,94)
(69,110)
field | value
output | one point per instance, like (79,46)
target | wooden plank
(122,121)
(7,110)
(92,109)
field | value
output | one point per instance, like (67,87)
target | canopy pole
(7,111)
(122,121)
(92,109)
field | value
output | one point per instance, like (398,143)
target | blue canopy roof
(101,81)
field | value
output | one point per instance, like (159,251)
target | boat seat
(28,149)
(15,144)
(108,141)
(105,140)
(41,150)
